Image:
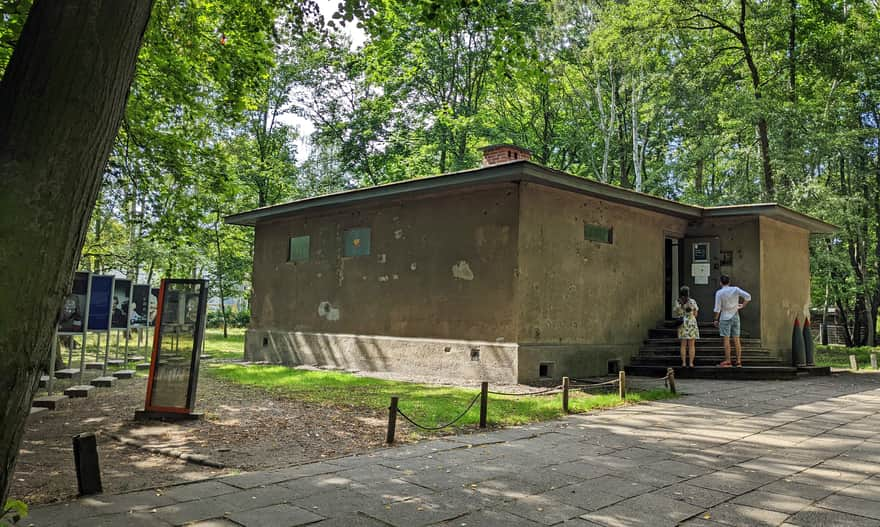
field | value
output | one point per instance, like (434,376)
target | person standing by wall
(729,300)
(686,309)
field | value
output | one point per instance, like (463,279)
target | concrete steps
(746,373)
(662,350)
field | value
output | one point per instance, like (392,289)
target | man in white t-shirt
(728,301)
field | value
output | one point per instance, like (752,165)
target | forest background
(711,103)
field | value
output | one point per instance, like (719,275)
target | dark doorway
(671,274)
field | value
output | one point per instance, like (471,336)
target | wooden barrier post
(853,363)
(621,377)
(670,378)
(873,361)
(484,403)
(392,421)
(565,394)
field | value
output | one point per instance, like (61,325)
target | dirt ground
(244,429)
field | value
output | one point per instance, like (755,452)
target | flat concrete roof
(518,171)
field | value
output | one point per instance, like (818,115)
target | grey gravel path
(786,453)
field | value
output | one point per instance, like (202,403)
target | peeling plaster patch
(327,311)
(394,277)
(398,234)
(383,258)
(364,277)
(412,266)
(462,271)
(383,278)
(319,275)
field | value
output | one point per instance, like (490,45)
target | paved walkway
(803,453)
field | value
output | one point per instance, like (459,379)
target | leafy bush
(238,319)
(13,512)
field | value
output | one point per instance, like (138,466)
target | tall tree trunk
(698,178)
(220,275)
(61,100)
(767,169)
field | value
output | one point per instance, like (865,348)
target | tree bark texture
(61,100)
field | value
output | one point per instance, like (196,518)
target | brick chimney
(503,153)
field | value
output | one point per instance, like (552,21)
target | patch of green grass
(427,405)
(231,347)
(838,356)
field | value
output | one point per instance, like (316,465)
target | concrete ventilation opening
(545,369)
(265,341)
(614,367)
(475,354)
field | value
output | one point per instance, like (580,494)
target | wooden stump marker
(873,361)
(853,363)
(621,377)
(484,403)
(565,384)
(392,421)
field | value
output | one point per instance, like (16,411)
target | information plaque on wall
(177,345)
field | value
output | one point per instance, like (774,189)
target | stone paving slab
(281,515)
(797,454)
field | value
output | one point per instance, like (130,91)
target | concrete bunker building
(511,272)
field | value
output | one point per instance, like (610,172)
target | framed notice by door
(177,345)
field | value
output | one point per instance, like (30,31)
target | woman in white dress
(686,310)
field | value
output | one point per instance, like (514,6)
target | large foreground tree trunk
(61,100)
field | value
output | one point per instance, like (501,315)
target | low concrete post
(873,361)
(670,378)
(88,470)
(484,403)
(621,378)
(392,421)
(565,384)
(853,363)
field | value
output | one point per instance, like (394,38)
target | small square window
(356,242)
(299,249)
(597,233)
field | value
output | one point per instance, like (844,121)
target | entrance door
(701,273)
(671,273)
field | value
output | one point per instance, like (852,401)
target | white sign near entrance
(700,272)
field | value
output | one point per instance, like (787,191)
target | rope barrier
(555,389)
(565,388)
(450,423)
(591,383)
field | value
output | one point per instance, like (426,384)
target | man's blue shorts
(729,328)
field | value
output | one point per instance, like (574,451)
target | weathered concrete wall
(741,237)
(785,280)
(449,359)
(583,303)
(440,267)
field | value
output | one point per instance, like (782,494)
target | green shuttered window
(299,249)
(597,233)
